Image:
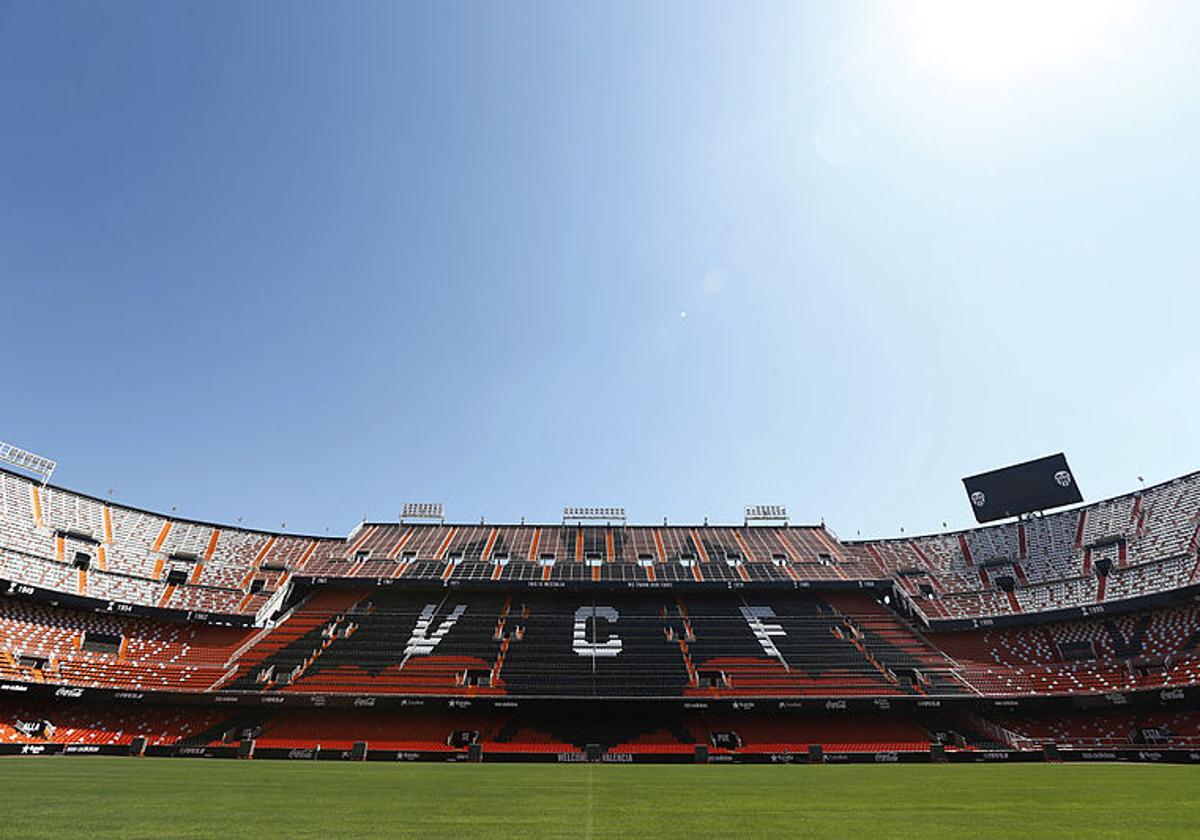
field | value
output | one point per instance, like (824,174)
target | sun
(987,42)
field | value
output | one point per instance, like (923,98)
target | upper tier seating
(1147,541)
(134,557)
(1120,549)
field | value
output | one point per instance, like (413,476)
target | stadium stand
(1104,730)
(1121,549)
(560,640)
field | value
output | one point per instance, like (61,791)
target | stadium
(599,420)
(1069,636)
(1064,637)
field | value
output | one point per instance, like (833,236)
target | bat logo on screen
(978,499)
(1063,478)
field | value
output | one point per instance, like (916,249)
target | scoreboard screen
(1022,488)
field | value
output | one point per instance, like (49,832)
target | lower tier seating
(1105,729)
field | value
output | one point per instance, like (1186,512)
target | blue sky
(302,262)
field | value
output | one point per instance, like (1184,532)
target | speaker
(937,753)
(138,745)
(1050,752)
(594,752)
(245,748)
(816,755)
(359,751)
(702,753)
(475,752)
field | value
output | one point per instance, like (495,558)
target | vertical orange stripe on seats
(166,596)
(608,543)
(354,547)
(158,569)
(196,572)
(82,582)
(108,534)
(262,552)
(533,546)
(579,545)
(658,544)
(59,549)
(487,549)
(162,536)
(312,546)
(787,552)
(212,544)
(403,541)
(102,558)
(37,504)
(834,552)
(445,544)
(744,546)
(699,545)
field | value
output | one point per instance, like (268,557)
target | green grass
(158,798)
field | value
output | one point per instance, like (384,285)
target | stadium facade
(1072,635)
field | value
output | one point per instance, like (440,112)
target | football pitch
(165,798)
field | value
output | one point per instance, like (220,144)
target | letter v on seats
(421,643)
